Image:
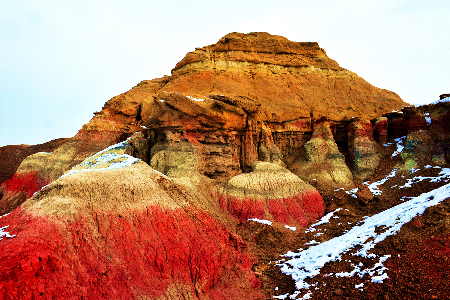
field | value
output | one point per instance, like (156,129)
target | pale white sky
(60,61)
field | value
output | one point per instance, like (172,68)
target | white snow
(124,160)
(114,160)
(267,222)
(373,187)
(353,192)
(441,100)
(4,233)
(443,175)
(117,160)
(325,219)
(427,118)
(311,243)
(290,227)
(308,263)
(195,99)
(400,146)
(377,273)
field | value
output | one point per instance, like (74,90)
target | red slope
(123,256)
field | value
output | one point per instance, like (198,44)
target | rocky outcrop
(271,192)
(265,68)
(323,164)
(96,233)
(380,130)
(364,152)
(248,97)
(427,140)
(24,183)
(39,169)
(12,155)
(443,96)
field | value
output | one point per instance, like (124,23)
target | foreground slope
(121,230)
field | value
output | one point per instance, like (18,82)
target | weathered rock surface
(364,152)
(271,192)
(427,139)
(248,97)
(37,170)
(227,137)
(323,164)
(12,155)
(115,228)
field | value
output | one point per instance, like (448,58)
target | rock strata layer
(270,192)
(96,233)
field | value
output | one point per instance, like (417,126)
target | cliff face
(288,80)
(248,97)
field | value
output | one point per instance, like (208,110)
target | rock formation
(148,199)
(12,155)
(365,153)
(270,192)
(323,164)
(83,237)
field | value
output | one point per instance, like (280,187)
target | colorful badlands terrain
(259,169)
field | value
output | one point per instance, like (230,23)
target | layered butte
(146,201)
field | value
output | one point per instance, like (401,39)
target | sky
(60,61)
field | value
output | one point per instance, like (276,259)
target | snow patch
(195,99)
(290,227)
(373,187)
(307,263)
(443,175)
(400,146)
(118,161)
(441,100)
(427,118)
(267,222)
(4,233)
(107,157)
(325,219)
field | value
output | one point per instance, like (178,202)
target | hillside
(260,168)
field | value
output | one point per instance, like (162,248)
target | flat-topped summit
(286,80)
(261,47)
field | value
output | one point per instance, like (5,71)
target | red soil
(301,209)
(18,188)
(28,183)
(104,255)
